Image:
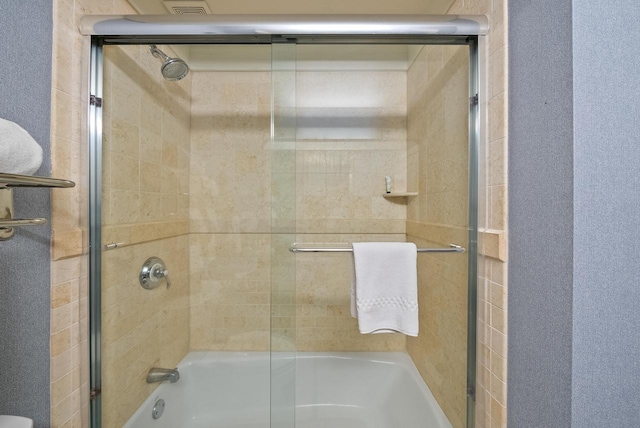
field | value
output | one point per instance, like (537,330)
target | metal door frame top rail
(272,29)
(380,26)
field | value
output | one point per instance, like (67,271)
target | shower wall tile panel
(492,329)
(437,144)
(323,302)
(230,211)
(230,291)
(69,284)
(230,152)
(146,130)
(141,328)
(145,177)
(350,133)
(69,277)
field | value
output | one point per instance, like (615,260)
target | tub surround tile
(181,144)
(331,184)
(493,221)
(230,290)
(141,328)
(438,137)
(323,291)
(66,243)
(126,215)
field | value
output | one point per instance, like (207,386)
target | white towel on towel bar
(384,293)
(19,152)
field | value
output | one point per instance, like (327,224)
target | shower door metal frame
(400,30)
(95,232)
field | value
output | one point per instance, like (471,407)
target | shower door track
(272,29)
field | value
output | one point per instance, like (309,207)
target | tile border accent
(491,243)
(66,243)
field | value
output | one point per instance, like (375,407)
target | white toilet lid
(15,422)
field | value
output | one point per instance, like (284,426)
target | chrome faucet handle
(153,270)
(160,273)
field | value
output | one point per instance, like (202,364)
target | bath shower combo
(263,365)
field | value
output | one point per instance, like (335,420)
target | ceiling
(308,57)
(275,7)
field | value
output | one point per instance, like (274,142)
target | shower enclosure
(237,189)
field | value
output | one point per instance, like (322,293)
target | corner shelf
(399,195)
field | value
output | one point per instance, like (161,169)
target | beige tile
(150,177)
(498,295)
(498,117)
(499,319)
(499,343)
(62,115)
(125,138)
(497,71)
(60,342)
(496,162)
(499,366)
(125,206)
(125,172)
(498,414)
(498,390)
(65,270)
(66,243)
(61,294)
(61,318)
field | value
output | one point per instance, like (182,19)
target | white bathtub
(332,390)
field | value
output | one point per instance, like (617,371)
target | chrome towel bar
(296,248)
(16,180)
(7,183)
(22,222)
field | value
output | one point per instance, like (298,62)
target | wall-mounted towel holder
(346,248)
(7,183)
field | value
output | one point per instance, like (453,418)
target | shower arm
(158,53)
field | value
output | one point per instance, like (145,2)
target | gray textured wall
(25,98)
(540,214)
(574,206)
(606,290)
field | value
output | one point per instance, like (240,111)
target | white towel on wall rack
(384,293)
(19,152)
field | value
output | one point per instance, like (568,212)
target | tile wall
(437,147)
(145,203)
(69,322)
(230,211)
(69,369)
(351,133)
(491,396)
(436,206)
(338,188)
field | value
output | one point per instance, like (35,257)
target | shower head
(172,68)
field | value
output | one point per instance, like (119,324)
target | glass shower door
(283,235)
(344,117)
(221,173)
